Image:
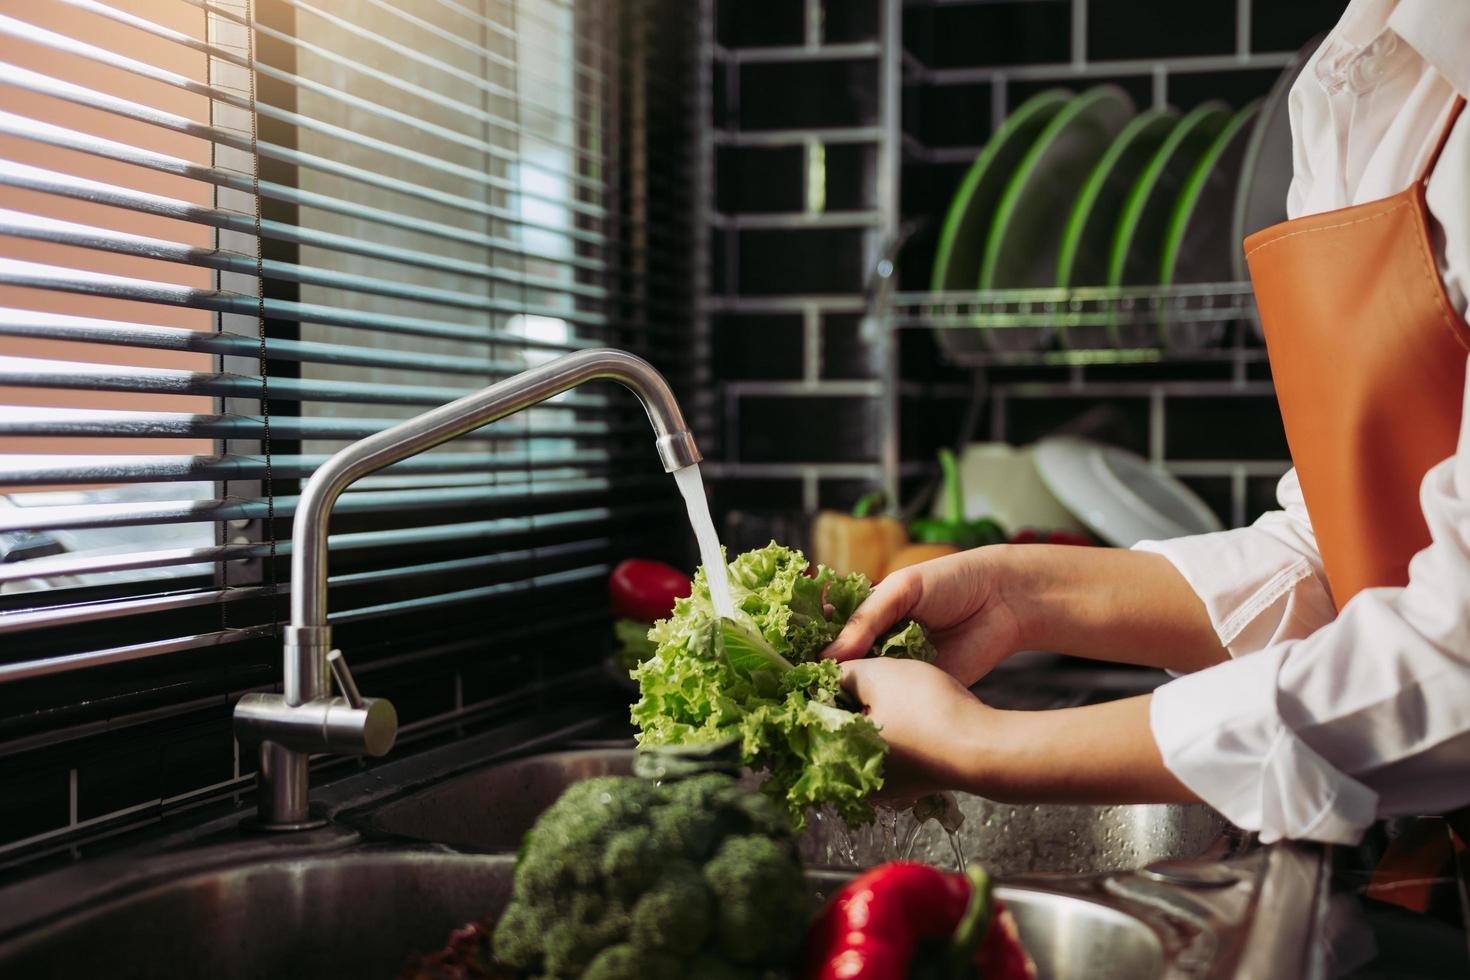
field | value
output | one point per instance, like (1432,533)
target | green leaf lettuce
(759,679)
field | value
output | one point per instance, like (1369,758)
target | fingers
(890,602)
(852,682)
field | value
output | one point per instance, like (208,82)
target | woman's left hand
(933,725)
(942,737)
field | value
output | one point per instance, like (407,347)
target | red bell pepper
(885,922)
(646,590)
(1030,535)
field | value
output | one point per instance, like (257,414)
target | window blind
(235,236)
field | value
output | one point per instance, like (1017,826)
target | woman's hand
(981,606)
(956,598)
(940,736)
(933,725)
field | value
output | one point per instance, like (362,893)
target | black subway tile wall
(1235,87)
(850,177)
(760,23)
(757,179)
(846,353)
(951,115)
(990,34)
(1123,29)
(1245,427)
(758,346)
(801,219)
(821,429)
(810,94)
(850,21)
(1279,26)
(776,262)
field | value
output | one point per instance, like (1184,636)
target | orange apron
(1368,357)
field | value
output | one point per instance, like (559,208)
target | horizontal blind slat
(347,98)
(407,51)
(388,539)
(60,184)
(97,658)
(58,278)
(427,603)
(35,372)
(39,421)
(31,669)
(42,470)
(24,127)
(402,84)
(41,84)
(81,516)
(23,30)
(58,326)
(24,224)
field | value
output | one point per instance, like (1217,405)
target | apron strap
(1444,137)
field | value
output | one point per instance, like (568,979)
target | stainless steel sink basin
(359,913)
(493,807)
(356,914)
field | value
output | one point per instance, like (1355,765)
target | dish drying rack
(1055,313)
(1239,359)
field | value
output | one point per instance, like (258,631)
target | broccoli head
(623,877)
(674,914)
(758,889)
(626,961)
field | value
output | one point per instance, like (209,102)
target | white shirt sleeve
(1369,716)
(1260,584)
(1321,733)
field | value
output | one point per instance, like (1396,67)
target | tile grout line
(811,325)
(1079,32)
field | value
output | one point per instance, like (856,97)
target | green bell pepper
(954,529)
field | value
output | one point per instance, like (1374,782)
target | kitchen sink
(421,845)
(491,809)
(360,912)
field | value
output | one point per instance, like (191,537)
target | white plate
(1118,495)
(1000,481)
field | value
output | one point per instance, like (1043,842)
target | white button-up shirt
(1322,721)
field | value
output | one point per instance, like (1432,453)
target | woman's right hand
(981,606)
(958,599)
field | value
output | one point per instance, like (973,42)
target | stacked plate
(1083,189)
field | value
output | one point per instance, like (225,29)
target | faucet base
(255,825)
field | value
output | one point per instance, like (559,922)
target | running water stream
(710,554)
(894,833)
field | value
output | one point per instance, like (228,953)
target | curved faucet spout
(304,718)
(675,445)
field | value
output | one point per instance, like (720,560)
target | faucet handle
(344,678)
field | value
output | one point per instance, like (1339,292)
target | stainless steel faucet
(304,718)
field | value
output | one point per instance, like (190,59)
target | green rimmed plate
(1082,259)
(1026,232)
(1138,241)
(1197,243)
(962,237)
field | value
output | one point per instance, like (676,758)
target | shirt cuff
(1221,734)
(1255,591)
